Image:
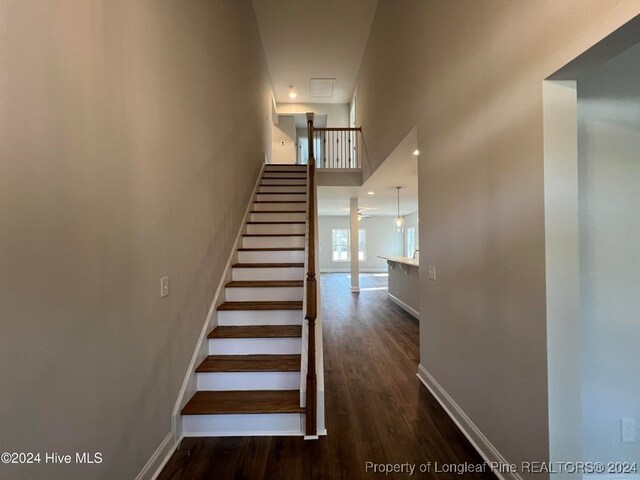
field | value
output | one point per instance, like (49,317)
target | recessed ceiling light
(416,152)
(369,193)
(292,92)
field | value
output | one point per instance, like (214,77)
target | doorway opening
(592,216)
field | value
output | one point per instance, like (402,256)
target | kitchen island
(404,283)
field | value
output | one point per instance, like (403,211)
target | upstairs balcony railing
(337,148)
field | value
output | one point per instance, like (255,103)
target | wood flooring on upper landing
(377,410)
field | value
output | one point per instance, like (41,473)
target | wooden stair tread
(282,193)
(272,249)
(239,402)
(279,201)
(278,305)
(283,185)
(304,177)
(267,265)
(264,283)
(249,363)
(273,235)
(276,222)
(278,211)
(257,331)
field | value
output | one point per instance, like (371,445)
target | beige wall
(337,113)
(469,74)
(131,135)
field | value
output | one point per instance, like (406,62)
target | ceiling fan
(362,215)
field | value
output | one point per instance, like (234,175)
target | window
(411,241)
(340,244)
(361,245)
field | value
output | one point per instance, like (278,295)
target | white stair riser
(272,242)
(285,181)
(280,175)
(285,256)
(293,273)
(263,294)
(280,206)
(259,317)
(284,228)
(225,381)
(242,425)
(286,188)
(254,346)
(279,217)
(281,197)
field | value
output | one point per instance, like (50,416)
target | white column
(355,261)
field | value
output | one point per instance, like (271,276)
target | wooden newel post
(312,301)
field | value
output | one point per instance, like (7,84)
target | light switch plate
(628,430)
(432,272)
(164,287)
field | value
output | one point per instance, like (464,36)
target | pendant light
(398,222)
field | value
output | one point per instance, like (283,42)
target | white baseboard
(404,306)
(487,451)
(159,458)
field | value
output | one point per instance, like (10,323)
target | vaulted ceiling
(305,39)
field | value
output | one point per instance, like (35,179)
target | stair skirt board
(276,228)
(295,273)
(266,256)
(259,317)
(260,294)
(252,424)
(281,197)
(273,205)
(276,180)
(285,216)
(255,346)
(237,381)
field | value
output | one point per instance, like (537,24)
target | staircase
(249,384)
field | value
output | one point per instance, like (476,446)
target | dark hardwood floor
(376,408)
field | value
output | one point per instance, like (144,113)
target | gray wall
(609,183)
(131,135)
(381,239)
(285,132)
(470,75)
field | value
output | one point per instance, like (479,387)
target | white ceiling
(400,169)
(306,39)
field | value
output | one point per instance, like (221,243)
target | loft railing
(336,147)
(311,291)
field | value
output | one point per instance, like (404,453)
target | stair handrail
(311,291)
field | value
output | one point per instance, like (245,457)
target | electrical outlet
(164,287)
(628,430)
(432,272)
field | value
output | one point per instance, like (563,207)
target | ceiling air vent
(322,87)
